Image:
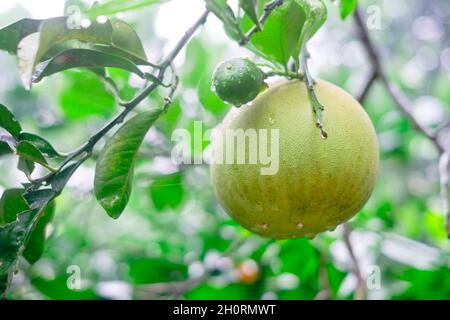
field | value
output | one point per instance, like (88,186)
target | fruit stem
(287,74)
(317,106)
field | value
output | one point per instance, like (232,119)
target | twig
(326,293)
(442,127)
(129,106)
(361,288)
(367,86)
(267,11)
(173,87)
(406,107)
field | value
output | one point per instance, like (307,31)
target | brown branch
(406,107)
(399,98)
(326,293)
(361,288)
(367,86)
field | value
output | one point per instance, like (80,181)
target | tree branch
(406,107)
(367,86)
(400,99)
(361,288)
(129,106)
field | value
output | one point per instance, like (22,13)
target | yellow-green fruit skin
(320,183)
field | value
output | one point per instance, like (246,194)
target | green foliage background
(173,229)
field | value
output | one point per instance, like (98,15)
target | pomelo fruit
(319,183)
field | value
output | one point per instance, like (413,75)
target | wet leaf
(114,170)
(8,122)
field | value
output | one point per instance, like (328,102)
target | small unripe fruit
(237,81)
(319,183)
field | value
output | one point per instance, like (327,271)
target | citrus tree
(121,98)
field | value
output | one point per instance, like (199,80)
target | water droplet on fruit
(271,121)
(299,225)
(229,67)
(264,226)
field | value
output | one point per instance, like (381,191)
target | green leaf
(26,166)
(12,239)
(11,35)
(40,143)
(29,152)
(38,199)
(112,50)
(223,11)
(111,7)
(4,148)
(233,291)
(167,191)
(83,95)
(11,204)
(57,289)
(83,58)
(154,270)
(335,278)
(51,33)
(316,15)
(59,181)
(300,258)
(250,8)
(114,170)
(425,284)
(124,37)
(347,7)
(281,33)
(8,122)
(34,247)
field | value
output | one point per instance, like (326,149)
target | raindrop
(271,120)
(299,225)
(264,226)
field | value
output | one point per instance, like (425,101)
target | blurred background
(174,240)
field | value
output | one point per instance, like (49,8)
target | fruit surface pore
(319,183)
(237,81)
